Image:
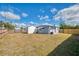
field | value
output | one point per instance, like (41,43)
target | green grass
(30,44)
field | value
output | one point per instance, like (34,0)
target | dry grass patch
(30,44)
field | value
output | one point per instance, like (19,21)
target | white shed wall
(31,29)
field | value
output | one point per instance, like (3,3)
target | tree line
(65,26)
(6,25)
(10,26)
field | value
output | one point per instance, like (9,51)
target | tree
(7,25)
(65,26)
(1,23)
(22,28)
(77,26)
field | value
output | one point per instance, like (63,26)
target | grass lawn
(30,44)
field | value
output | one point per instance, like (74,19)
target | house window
(42,28)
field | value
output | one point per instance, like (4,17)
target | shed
(31,29)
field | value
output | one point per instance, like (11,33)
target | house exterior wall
(43,30)
(56,30)
(31,29)
(48,30)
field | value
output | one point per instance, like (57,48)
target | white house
(42,29)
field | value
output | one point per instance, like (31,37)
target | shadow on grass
(70,47)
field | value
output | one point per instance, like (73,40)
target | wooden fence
(70,31)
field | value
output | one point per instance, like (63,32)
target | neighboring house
(42,29)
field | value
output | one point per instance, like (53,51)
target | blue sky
(33,13)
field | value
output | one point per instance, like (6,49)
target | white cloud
(12,9)
(23,24)
(9,15)
(72,22)
(24,14)
(53,10)
(44,17)
(42,10)
(46,23)
(70,14)
(31,22)
(39,16)
(19,24)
